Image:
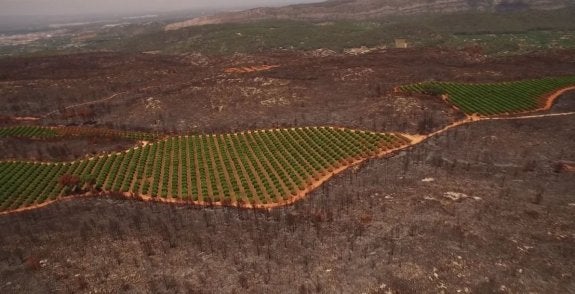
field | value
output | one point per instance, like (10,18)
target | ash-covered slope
(369,9)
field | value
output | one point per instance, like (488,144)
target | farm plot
(495,98)
(260,168)
(28,132)
(42,132)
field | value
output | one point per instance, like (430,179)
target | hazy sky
(63,7)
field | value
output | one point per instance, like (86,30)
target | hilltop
(370,9)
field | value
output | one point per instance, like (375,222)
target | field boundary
(553,96)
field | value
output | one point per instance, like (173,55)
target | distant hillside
(370,9)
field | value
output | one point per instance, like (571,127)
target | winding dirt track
(415,139)
(85,103)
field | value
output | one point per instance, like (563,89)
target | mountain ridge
(369,9)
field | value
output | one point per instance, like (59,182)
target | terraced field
(260,168)
(495,98)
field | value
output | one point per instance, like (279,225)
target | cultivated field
(494,98)
(259,168)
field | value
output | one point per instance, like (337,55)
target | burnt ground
(372,229)
(193,93)
(565,103)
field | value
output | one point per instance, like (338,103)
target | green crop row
(494,98)
(260,167)
(27,132)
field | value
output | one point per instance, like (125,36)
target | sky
(77,7)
